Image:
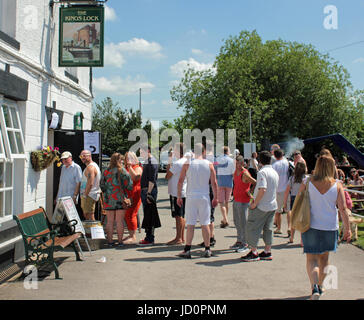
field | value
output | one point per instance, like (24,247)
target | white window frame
(4,189)
(4,129)
(2,154)
(7,156)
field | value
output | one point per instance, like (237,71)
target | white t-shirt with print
(267,178)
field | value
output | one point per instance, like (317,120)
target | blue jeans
(150,230)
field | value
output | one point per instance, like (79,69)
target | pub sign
(81,37)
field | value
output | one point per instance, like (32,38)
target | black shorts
(176,210)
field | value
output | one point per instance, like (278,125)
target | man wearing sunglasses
(90,185)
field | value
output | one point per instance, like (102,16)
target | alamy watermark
(331,18)
(214,140)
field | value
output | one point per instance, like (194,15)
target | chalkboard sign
(66,206)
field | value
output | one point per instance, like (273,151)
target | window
(8,17)
(71,72)
(11,130)
(12,157)
(6,188)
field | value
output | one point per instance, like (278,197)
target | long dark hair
(299,172)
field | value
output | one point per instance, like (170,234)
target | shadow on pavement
(152,259)
(291,298)
(286,246)
(44,271)
(219,263)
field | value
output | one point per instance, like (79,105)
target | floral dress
(114,193)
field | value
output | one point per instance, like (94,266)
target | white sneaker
(206,254)
(242,249)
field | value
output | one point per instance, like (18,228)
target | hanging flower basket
(42,159)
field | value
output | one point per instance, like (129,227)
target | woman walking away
(324,193)
(135,171)
(294,183)
(114,183)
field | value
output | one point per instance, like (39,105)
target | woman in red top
(242,183)
(135,171)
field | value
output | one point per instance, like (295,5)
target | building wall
(37,62)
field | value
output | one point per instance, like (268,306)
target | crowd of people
(263,190)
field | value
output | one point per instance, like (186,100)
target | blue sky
(148,43)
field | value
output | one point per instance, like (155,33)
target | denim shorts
(319,241)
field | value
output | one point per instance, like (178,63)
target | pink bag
(349,202)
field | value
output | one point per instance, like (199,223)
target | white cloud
(110,14)
(115,53)
(120,86)
(140,47)
(179,68)
(113,56)
(359,60)
(197,51)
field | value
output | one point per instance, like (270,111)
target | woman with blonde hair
(114,183)
(325,194)
(135,171)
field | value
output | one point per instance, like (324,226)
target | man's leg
(268,235)
(256,221)
(238,217)
(206,235)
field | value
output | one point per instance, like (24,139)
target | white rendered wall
(37,62)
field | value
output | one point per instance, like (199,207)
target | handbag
(65,228)
(126,202)
(301,211)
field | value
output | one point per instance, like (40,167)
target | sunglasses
(84,156)
(296,154)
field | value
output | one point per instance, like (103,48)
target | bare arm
(341,203)
(169,174)
(77,190)
(135,174)
(213,183)
(247,178)
(181,180)
(286,193)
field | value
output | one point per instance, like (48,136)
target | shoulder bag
(301,211)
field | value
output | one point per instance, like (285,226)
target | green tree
(114,123)
(291,88)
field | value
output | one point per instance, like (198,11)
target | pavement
(155,272)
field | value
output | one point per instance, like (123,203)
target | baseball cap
(66,155)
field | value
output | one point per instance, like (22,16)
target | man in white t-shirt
(262,210)
(198,172)
(173,172)
(281,166)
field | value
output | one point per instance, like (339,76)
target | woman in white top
(253,165)
(325,194)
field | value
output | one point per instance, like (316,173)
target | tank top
(241,188)
(324,214)
(198,177)
(95,189)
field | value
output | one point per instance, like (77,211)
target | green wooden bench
(39,241)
